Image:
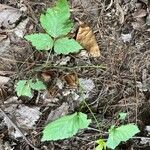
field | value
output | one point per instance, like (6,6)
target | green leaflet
(38,85)
(40,40)
(56,21)
(65,127)
(101,145)
(24,87)
(66,46)
(121,134)
(122,116)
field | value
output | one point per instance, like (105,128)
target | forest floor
(117,81)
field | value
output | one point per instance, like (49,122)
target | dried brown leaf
(140,13)
(71,79)
(47,76)
(86,38)
(58,112)
(9,16)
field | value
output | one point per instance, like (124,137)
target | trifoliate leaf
(23,88)
(41,41)
(56,20)
(65,127)
(121,134)
(66,46)
(122,116)
(101,145)
(38,85)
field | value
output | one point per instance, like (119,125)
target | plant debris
(86,38)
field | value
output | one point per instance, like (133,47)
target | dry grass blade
(120,11)
(86,38)
(110,4)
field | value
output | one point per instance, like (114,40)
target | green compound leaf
(56,21)
(66,46)
(65,127)
(101,145)
(38,85)
(121,134)
(41,41)
(23,88)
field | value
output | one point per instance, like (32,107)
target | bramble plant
(57,25)
(25,87)
(118,134)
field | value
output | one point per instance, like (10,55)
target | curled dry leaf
(71,79)
(48,75)
(9,16)
(140,13)
(86,38)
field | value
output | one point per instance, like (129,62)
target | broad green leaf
(38,85)
(121,134)
(23,88)
(122,116)
(40,40)
(63,6)
(66,46)
(65,127)
(101,145)
(56,20)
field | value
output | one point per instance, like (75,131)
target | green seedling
(57,24)
(25,87)
(121,134)
(118,134)
(101,144)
